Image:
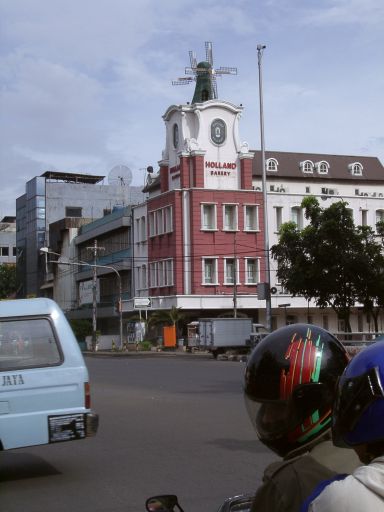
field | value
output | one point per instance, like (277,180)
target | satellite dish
(120,175)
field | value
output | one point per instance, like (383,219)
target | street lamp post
(46,251)
(268,306)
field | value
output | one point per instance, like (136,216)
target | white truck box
(220,334)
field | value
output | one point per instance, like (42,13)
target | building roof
(339,166)
(70,177)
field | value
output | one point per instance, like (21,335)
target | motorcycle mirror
(163,503)
(240,503)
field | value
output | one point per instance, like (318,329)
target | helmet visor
(271,420)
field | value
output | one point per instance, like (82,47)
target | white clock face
(175,136)
(218,131)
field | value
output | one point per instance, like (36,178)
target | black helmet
(290,382)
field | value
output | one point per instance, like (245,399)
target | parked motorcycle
(170,503)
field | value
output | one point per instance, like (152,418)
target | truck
(219,335)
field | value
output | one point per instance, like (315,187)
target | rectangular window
(153,275)
(4,251)
(161,273)
(208,216)
(143,229)
(27,343)
(251,218)
(73,211)
(168,221)
(169,272)
(364,217)
(230,217)
(210,271)
(252,270)
(279,217)
(160,222)
(14,252)
(297,216)
(379,216)
(151,219)
(229,270)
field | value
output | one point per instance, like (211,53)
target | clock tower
(203,147)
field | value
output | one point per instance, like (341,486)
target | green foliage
(8,281)
(170,316)
(331,260)
(145,345)
(81,328)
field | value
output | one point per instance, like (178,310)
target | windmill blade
(192,59)
(226,71)
(182,81)
(214,87)
(190,71)
(208,52)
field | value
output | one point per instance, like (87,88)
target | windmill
(204,74)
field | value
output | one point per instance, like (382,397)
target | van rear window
(27,343)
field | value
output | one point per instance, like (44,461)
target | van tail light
(87,395)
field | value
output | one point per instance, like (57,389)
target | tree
(331,260)
(169,317)
(8,281)
(81,327)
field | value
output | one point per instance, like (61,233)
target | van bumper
(92,423)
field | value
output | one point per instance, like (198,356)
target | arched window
(306,166)
(272,164)
(356,169)
(322,167)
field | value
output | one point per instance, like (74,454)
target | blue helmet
(358,415)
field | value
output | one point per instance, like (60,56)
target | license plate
(66,427)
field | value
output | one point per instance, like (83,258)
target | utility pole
(234,278)
(95,248)
(267,291)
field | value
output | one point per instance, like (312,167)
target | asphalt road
(168,424)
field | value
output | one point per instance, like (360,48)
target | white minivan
(44,386)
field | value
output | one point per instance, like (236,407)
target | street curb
(145,353)
(164,353)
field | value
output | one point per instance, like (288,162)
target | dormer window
(272,164)
(356,169)
(306,166)
(322,167)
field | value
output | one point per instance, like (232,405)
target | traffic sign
(142,302)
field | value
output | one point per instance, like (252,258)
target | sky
(84,83)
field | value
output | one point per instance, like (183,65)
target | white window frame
(168,219)
(160,221)
(379,215)
(234,278)
(143,229)
(234,225)
(254,215)
(278,217)
(214,260)
(307,166)
(143,281)
(322,167)
(213,214)
(356,169)
(152,223)
(256,272)
(297,216)
(153,278)
(272,164)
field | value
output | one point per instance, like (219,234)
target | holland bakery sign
(220,168)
